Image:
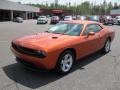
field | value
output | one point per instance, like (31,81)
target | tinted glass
(94,18)
(67,28)
(42,17)
(92,28)
(108,17)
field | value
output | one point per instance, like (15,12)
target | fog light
(41,54)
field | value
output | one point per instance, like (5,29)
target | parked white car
(18,19)
(68,18)
(42,20)
(117,20)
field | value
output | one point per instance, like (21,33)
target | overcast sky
(63,1)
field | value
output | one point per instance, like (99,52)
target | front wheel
(65,62)
(107,46)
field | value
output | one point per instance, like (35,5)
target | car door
(91,42)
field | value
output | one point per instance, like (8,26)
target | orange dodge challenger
(62,44)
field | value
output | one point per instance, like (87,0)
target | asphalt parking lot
(96,72)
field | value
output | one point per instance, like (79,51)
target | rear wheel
(65,62)
(107,46)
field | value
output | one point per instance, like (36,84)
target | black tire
(105,23)
(107,46)
(59,66)
(112,23)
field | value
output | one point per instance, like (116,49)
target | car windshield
(82,18)
(67,29)
(94,18)
(19,18)
(42,17)
(54,17)
(108,17)
(68,17)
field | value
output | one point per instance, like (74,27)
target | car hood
(43,41)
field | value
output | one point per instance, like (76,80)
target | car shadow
(33,79)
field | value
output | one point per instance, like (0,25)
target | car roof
(81,22)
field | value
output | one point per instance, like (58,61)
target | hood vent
(54,37)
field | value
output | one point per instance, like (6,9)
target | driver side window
(92,28)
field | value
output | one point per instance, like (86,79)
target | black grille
(24,49)
(27,51)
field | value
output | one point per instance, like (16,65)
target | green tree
(85,8)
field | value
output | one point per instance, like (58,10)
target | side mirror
(90,34)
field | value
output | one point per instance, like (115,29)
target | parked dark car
(101,19)
(81,17)
(117,20)
(54,20)
(94,18)
(18,19)
(108,20)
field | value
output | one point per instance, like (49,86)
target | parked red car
(106,20)
(54,20)
(62,45)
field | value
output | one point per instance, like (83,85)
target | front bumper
(109,22)
(47,63)
(54,22)
(41,22)
(30,66)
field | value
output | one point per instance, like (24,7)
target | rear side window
(92,28)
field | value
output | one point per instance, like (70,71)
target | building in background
(56,12)
(9,10)
(115,12)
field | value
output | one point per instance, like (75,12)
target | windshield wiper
(47,31)
(58,33)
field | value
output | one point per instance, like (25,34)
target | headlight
(41,54)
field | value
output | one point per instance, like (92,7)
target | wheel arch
(70,49)
(109,37)
(73,51)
